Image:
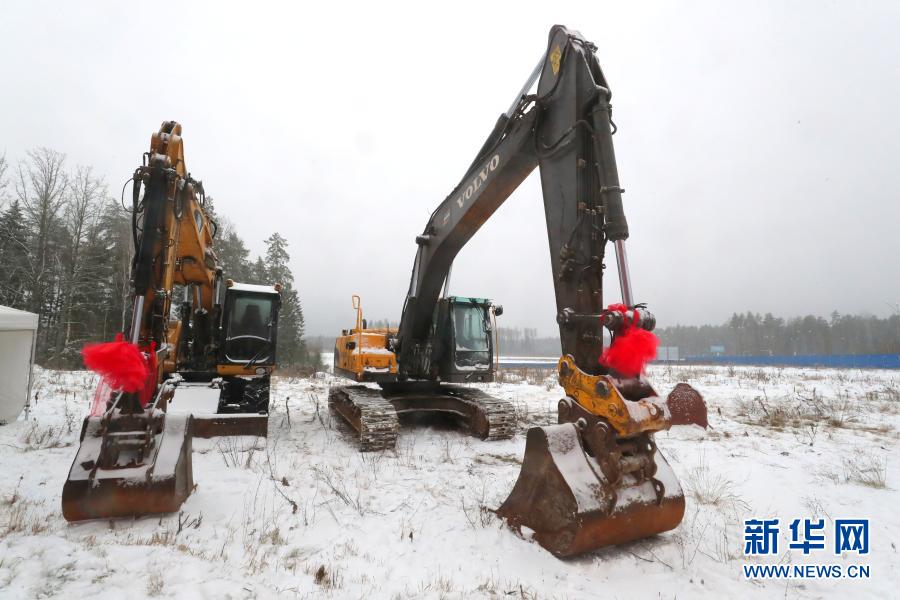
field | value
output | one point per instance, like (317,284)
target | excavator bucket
(568,499)
(597,478)
(130,465)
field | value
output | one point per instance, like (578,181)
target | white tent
(18,332)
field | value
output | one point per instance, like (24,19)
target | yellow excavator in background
(596,478)
(207,362)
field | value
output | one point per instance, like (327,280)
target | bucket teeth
(566,497)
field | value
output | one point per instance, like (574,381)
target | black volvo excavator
(596,478)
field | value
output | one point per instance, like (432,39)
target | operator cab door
(470,355)
(249,328)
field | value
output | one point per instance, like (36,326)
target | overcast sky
(758,143)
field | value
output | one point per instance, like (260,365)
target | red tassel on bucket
(631,350)
(121,364)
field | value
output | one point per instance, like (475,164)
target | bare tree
(4,183)
(40,188)
(83,204)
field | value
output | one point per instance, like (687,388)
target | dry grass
(545,376)
(869,471)
(328,578)
(761,411)
(712,488)
(477,514)
(862,468)
(337,483)
(237,451)
(689,374)
(38,436)
(20,516)
(155,583)
(806,411)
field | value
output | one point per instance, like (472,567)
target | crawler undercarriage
(375,414)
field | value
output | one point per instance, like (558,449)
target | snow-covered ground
(303,514)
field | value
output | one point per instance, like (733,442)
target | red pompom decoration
(631,350)
(121,364)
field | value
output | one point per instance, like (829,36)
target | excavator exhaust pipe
(563,496)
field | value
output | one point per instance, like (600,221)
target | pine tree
(291,345)
(13,256)
(258,272)
(231,252)
(233,255)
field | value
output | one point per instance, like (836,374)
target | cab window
(250,315)
(468,321)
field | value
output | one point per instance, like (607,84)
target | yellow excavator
(596,478)
(207,360)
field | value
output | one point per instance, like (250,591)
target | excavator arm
(505,161)
(566,130)
(173,239)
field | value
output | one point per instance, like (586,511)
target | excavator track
(370,415)
(375,415)
(500,415)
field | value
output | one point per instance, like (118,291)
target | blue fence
(841,361)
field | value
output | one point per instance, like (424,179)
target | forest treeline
(750,334)
(65,255)
(512,341)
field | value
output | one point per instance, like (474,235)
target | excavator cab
(249,327)
(234,400)
(465,347)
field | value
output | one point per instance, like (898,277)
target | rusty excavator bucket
(130,463)
(597,478)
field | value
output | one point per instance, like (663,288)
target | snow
(372,350)
(584,478)
(252,287)
(647,409)
(268,515)
(195,398)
